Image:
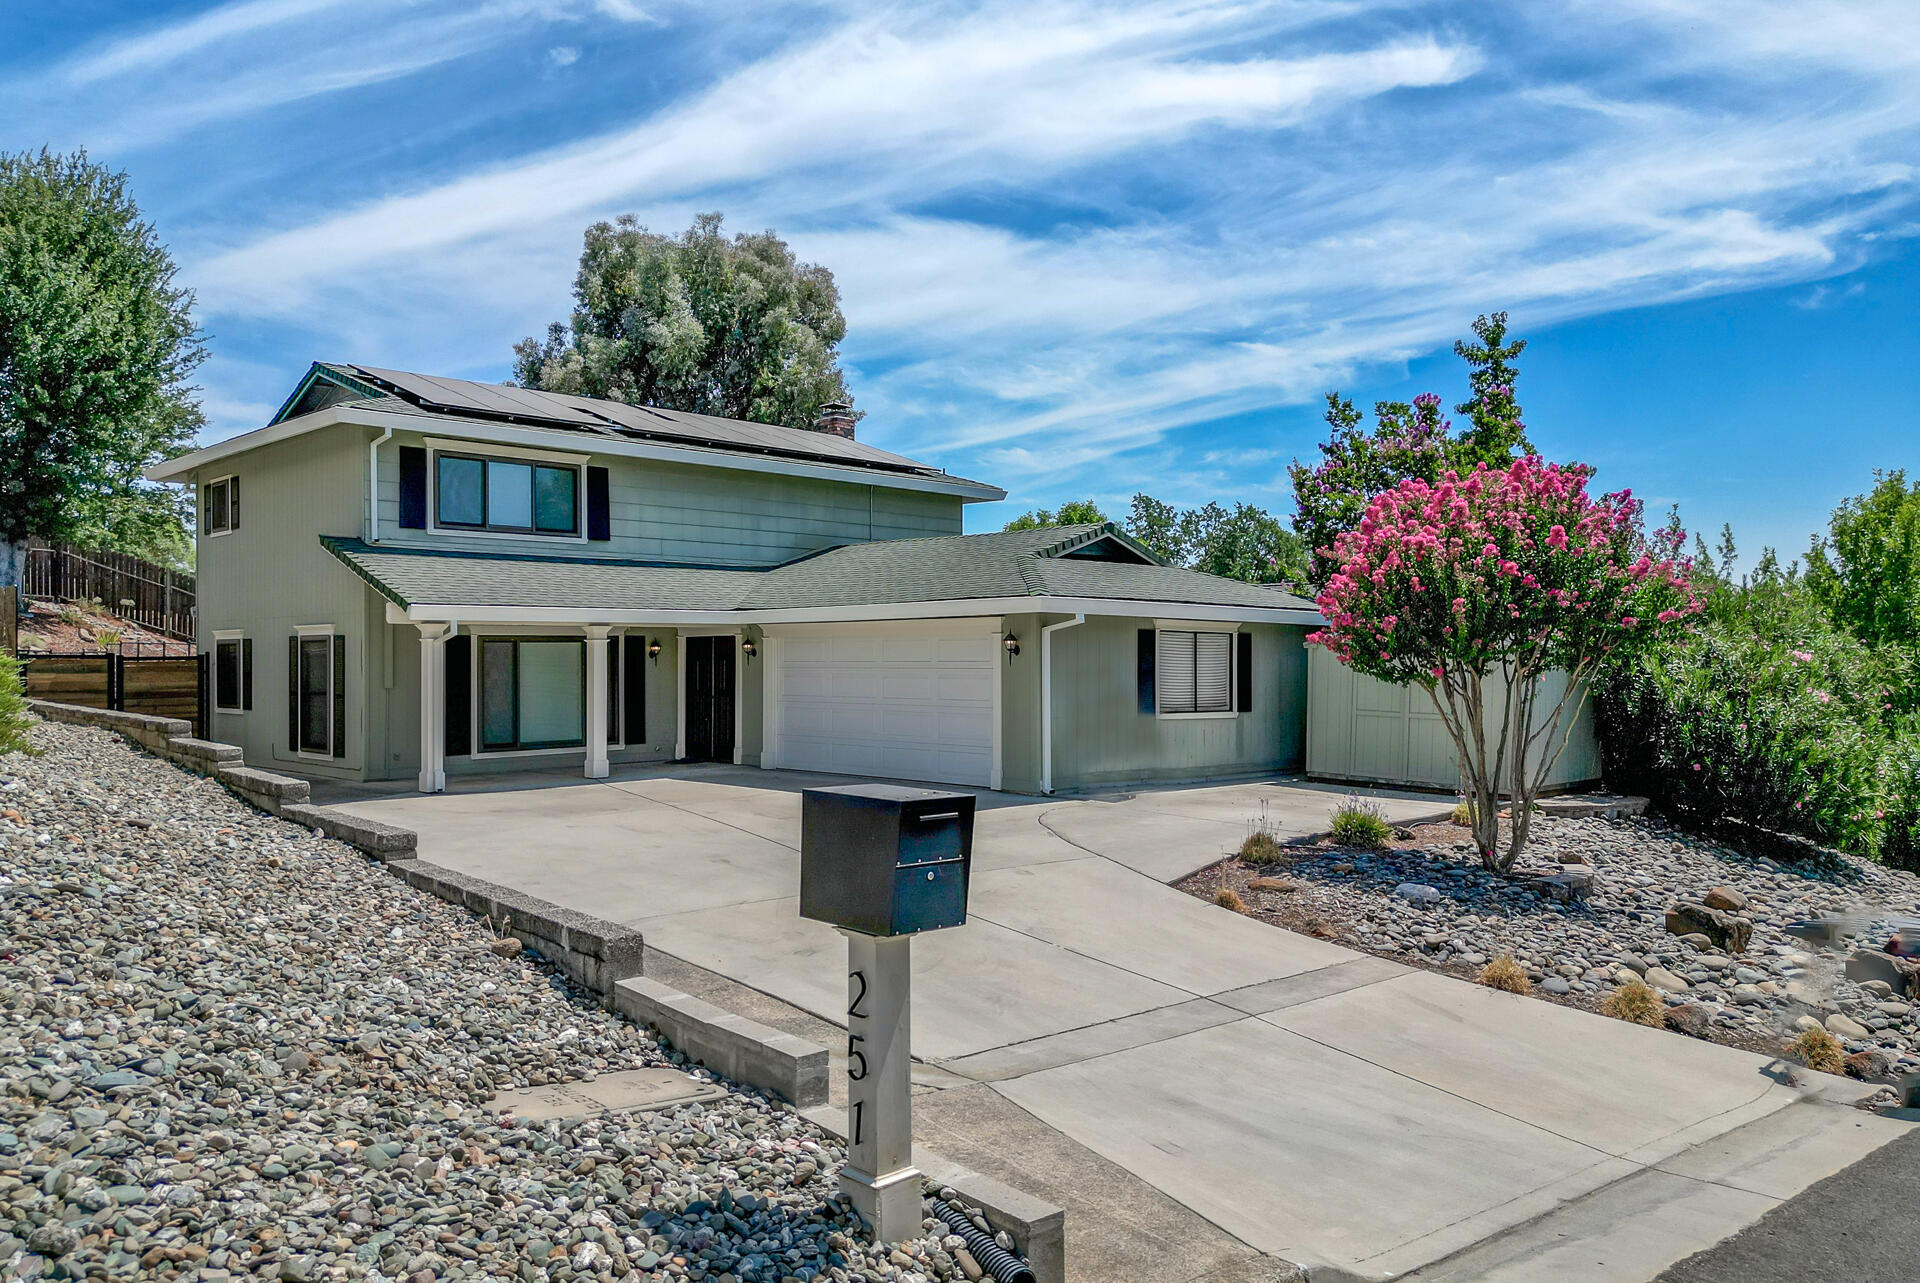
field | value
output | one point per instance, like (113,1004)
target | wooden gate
(158,685)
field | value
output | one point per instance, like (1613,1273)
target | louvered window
(1194,672)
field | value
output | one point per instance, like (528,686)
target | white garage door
(912,702)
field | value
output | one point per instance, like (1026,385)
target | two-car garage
(912,700)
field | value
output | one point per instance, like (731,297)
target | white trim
(373,485)
(182,468)
(200,488)
(1233,676)
(680,698)
(577,458)
(962,608)
(304,631)
(769,703)
(996,773)
(577,463)
(226,635)
(599,733)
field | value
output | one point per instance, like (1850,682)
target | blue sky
(1084,248)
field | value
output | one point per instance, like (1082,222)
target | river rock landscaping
(237,1049)
(1601,901)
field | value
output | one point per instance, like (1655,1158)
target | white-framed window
(1193,673)
(232,672)
(314,690)
(220,506)
(503,494)
(530,693)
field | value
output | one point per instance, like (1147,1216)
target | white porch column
(433,706)
(598,767)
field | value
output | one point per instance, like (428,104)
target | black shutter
(413,487)
(599,520)
(1244,672)
(459,663)
(613,690)
(293,693)
(246,672)
(233,503)
(339,695)
(633,689)
(1147,658)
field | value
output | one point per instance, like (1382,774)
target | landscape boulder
(1726,931)
(1690,1019)
(1725,898)
(1842,1026)
(1900,975)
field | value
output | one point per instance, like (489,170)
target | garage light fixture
(1012,644)
(748,649)
(653,650)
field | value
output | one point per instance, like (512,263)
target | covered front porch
(500,695)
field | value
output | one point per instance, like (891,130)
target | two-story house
(405,576)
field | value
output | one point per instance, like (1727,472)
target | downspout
(1046,698)
(373,484)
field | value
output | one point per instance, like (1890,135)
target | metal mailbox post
(883,863)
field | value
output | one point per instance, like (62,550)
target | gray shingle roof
(1022,563)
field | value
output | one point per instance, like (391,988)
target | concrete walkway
(1315,1104)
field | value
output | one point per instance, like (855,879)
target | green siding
(1371,731)
(703,515)
(1101,737)
(271,575)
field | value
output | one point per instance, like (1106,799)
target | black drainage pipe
(997,1261)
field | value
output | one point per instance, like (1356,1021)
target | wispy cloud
(1071,235)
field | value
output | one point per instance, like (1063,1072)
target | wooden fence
(163,686)
(149,595)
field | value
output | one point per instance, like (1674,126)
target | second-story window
(472,493)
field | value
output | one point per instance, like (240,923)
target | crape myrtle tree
(1474,588)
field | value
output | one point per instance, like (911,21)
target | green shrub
(1785,729)
(1361,823)
(14,717)
(1262,848)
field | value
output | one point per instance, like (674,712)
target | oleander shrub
(1818,1049)
(1636,1003)
(1362,824)
(1504,973)
(14,717)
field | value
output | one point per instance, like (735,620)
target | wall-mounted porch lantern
(748,649)
(653,650)
(1012,644)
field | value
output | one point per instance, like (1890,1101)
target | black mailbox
(884,860)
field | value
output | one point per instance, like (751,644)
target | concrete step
(1631,1230)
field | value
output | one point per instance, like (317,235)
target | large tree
(1074,512)
(730,326)
(1244,542)
(97,344)
(1410,441)
(1866,571)
(1477,588)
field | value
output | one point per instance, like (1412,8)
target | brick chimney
(836,417)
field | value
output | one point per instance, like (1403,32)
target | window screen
(316,694)
(554,503)
(509,495)
(462,491)
(226,676)
(215,517)
(1195,672)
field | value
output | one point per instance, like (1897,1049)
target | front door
(709,699)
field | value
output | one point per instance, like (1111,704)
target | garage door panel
(906,705)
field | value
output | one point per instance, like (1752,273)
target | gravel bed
(1428,902)
(236,1049)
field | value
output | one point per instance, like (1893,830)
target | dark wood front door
(709,699)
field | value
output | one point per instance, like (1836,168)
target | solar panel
(559,409)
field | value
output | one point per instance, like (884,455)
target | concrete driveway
(1320,1105)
